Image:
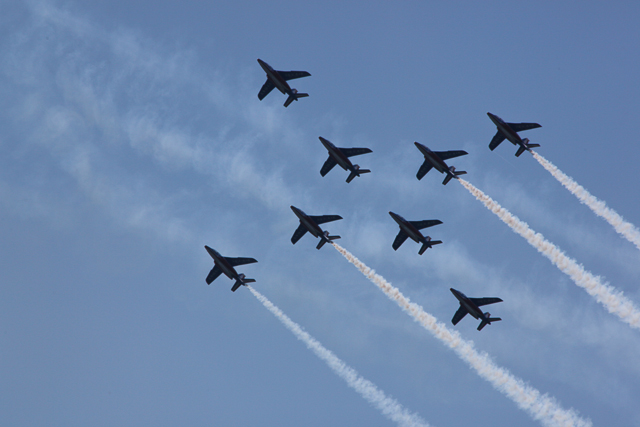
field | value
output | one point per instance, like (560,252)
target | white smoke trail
(541,407)
(387,405)
(614,300)
(626,229)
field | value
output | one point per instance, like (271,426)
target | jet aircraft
(510,132)
(412,229)
(340,156)
(470,305)
(278,79)
(311,224)
(226,265)
(435,159)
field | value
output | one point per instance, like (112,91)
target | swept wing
(240,261)
(213,274)
(426,223)
(519,127)
(297,235)
(324,218)
(350,152)
(328,165)
(400,239)
(459,315)
(266,89)
(290,75)
(446,155)
(484,301)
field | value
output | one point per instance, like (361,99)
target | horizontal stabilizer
(357,173)
(488,321)
(243,282)
(429,244)
(326,239)
(294,97)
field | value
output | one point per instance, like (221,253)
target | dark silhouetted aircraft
(470,305)
(510,132)
(435,159)
(278,79)
(412,229)
(311,224)
(225,265)
(340,156)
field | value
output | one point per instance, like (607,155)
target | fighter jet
(311,224)
(340,156)
(470,305)
(278,79)
(435,159)
(225,265)
(412,229)
(510,132)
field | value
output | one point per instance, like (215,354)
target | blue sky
(131,136)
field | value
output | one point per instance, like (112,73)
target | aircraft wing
(446,155)
(266,88)
(350,152)
(240,261)
(213,274)
(328,165)
(426,223)
(400,239)
(497,139)
(459,315)
(484,301)
(426,167)
(325,218)
(290,75)
(298,233)
(519,127)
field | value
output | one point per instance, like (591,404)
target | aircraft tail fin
(487,321)
(525,146)
(294,97)
(326,238)
(428,245)
(357,172)
(242,280)
(453,174)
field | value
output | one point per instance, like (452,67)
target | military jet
(412,229)
(225,265)
(278,79)
(340,156)
(435,159)
(311,224)
(510,132)
(470,305)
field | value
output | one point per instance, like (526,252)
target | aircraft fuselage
(408,228)
(275,77)
(224,265)
(433,158)
(340,158)
(506,130)
(309,224)
(473,309)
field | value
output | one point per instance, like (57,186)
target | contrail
(387,405)
(541,407)
(614,300)
(626,229)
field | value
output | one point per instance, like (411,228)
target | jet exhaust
(541,407)
(387,405)
(626,229)
(614,300)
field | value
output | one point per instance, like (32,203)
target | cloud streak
(614,300)
(385,404)
(624,228)
(541,407)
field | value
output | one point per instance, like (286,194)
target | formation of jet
(278,79)
(340,156)
(435,159)
(470,305)
(510,131)
(311,224)
(226,265)
(412,229)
